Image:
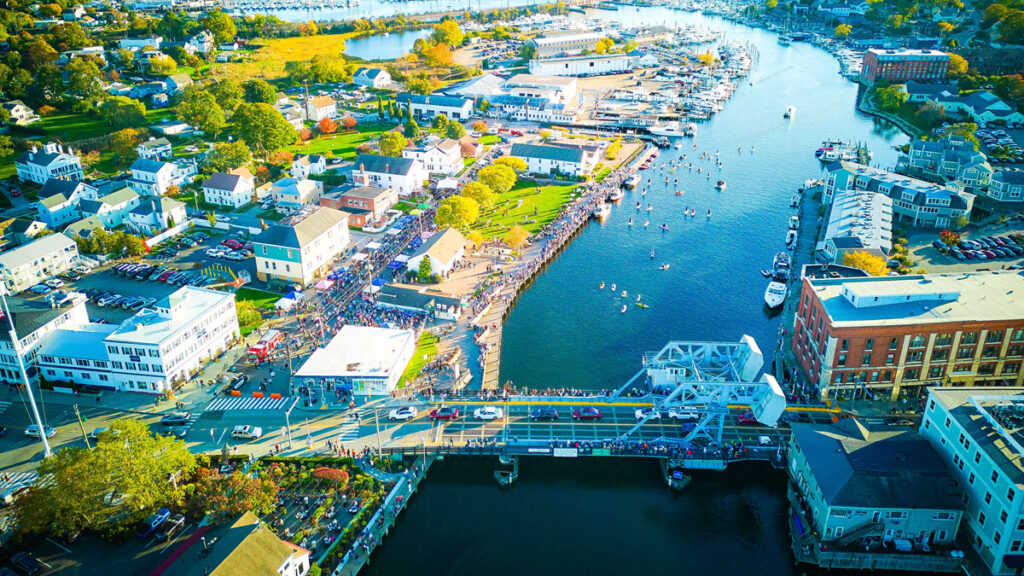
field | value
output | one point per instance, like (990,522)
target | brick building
(902,65)
(896,335)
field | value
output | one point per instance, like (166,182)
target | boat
(775,294)
(790,111)
(767,273)
(791,238)
(720,185)
(616,195)
(662,142)
(781,260)
(785,40)
(794,222)
(671,129)
(603,211)
(642,305)
(835,150)
(794,202)
(680,192)
(623,308)
(633,181)
(664,267)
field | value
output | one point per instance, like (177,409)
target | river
(615,516)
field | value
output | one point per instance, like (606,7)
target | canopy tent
(359,257)
(324,284)
(403,258)
(371,289)
(416,242)
(407,219)
(294,295)
(393,232)
(337,274)
(379,281)
(373,246)
(448,184)
(395,265)
(284,304)
(416,211)
(423,206)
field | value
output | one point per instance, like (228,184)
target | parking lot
(975,252)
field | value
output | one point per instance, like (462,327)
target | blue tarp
(379,281)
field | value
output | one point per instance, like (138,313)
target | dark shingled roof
(222,181)
(383,164)
(432,100)
(557,153)
(29,316)
(882,468)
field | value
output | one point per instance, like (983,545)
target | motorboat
(775,294)
(690,130)
(794,222)
(633,181)
(791,238)
(794,201)
(616,195)
(781,260)
(603,211)
(790,111)
(670,129)
(785,40)
(767,273)
(720,185)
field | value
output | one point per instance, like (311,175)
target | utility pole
(309,439)
(82,426)
(287,425)
(376,421)
(24,375)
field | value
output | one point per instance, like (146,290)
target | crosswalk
(12,479)
(242,403)
(4,405)
(348,432)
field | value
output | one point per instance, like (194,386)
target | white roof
(360,351)
(169,316)
(35,250)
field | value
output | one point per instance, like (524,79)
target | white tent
(448,184)
(373,246)
(359,257)
(284,304)
(402,258)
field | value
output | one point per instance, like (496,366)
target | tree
(6,146)
(457,212)
(994,13)
(68,36)
(200,109)
(1010,87)
(480,126)
(125,474)
(47,86)
(931,113)
(228,93)
(226,156)
(38,53)
(455,130)
(448,33)
(440,122)
(411,129)
(842,31)
(123,112)
(966,131)
(481,193)
(263,127)
(258,91)
(949,238)
(392,143)
(123,143)
(889,98)
(528,51)
(706,58)
(420,85)
(604,45)
(220,25)
(348,122)
(629,46)
(866,261)
(497,177)
(125,57)
(957,65)
(946,28)
(476,237)
(336,475)
(425,271)
(163,65)
(438,55)
(85,80)
(612,151)
(226,497)
(516,237)
(517,164)
(309,29)
(327,126)
(771,4)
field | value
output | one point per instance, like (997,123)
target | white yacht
(616,195)
(603,211)
(669,129)
(791,238)
(634,180)
(775,294)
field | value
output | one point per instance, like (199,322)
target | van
(11,495)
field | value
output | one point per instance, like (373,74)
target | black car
(171,527)
(544,413)
(236,383)
(27,563)
(176,419)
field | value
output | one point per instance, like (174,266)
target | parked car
(588,413)
(176,418)
(544,413)
(444,413)
(153,521)
(649,413)
(746,418)
(27,563)
(247,432)
(40,289)
(683,414)
(171,527)
(488,413)
(405,413)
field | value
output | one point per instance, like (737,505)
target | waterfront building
(554,89)
(922,92)
(405,175)
(858,221)
(564,43)
(306,164)
(897,334)
(245,546)
(301,248)
(1006,186)
(364,360)
(425,107)
(871,499)
(52,161)
(951,158)
(151,177)
(32,263)
(531,109)
(292,194)
(441,157)
(363,203)
(155,149)
(58,201)
(551,159)
(592,65)
(916,201)
(844,9)
(903,64)
(35,320)
(440,304)
(371,77)
(482,87)
(444,249)
(228,190)
(978,434)
(981,107)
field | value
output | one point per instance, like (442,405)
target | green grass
(426,348)
(404,206)
(602,174)
(488,139)
(548,203)
(74,127)
(259,298)
(342,144)
(271,214)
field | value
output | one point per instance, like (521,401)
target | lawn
(259,298)
(342,144)
(74,127)
(426,348)
(525,207)
(269,59)
(488,139)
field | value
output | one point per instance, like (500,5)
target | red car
(444,413)
(586,414)
(233,244)
(746,418)
(516,133)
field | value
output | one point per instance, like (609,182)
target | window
(981,518)
(964,353)
(1016,545)
(1002,516)
(917,341)
(988,497)
(940,354)
(947,423)
(842,360)
(977,457)
(845,345)
(996,537)
(970,479)
(969,338)
(995,476)
(1020,524)
(866,360)
(943,339)
(912,374)
(890,359)
(869,344)
(915,356)
(994,337)
(893,343)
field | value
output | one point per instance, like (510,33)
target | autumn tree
(842,31)
(348,122)
(476,238)
(516,237)
(481,193)
(457,212)
(123,143)
(480,126)
(123,112)
(327,126)
(220,25)
(448,33)
(497,177)
(513,162)
(866,261)
(225,497)
(957,65)
(162,65)
(411,129)
(604,45)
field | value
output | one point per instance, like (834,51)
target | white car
(488,413)
(54,283)
(214,253)
(33,431)
(648,413)
(683,414)
(406,413)
(247,432)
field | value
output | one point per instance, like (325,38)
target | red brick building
(895,335)
(902,65)
(364,203)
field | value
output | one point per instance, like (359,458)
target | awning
(359,257)
(373,246)
(284,304)
(448,184)
(402,258)
(416,242)
(324,284)
(423,206)
(294,295)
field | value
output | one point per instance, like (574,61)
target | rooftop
(922,299)
(433,100)
(539,80)
(300,230)
(383,164)
(86,342)
(35,250)
(169,316)
(557,153)
(993,419)
(863,216)
(359,351)
(443,246)
(31,315)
